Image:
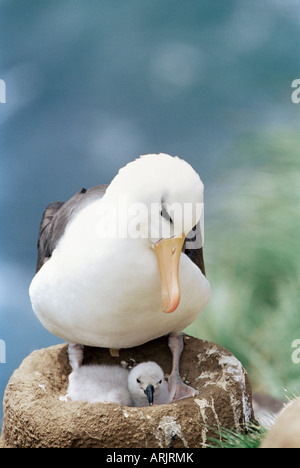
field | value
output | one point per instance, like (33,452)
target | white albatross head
(164,202)
(147,385)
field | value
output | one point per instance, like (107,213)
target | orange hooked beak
(168,253)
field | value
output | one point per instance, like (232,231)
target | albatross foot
(177,389)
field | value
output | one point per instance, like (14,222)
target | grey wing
(44,246)
(56,217)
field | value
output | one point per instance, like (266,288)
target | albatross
(114,269)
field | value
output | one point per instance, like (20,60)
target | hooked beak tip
(149,394)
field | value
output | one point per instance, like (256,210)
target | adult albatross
(113,269)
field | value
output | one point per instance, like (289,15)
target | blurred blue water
(91,85)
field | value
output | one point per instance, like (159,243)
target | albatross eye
(138,380)
(160,382)
(165,214)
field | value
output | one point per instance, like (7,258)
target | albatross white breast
(113,270)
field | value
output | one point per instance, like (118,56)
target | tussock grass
(232,439)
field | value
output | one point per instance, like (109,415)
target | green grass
(252,254)
(232,439)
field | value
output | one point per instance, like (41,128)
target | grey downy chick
(147,385)
(94,383)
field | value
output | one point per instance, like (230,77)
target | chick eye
(138,380)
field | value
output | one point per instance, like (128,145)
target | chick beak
(149,392)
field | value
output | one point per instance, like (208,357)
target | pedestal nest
(34,415)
